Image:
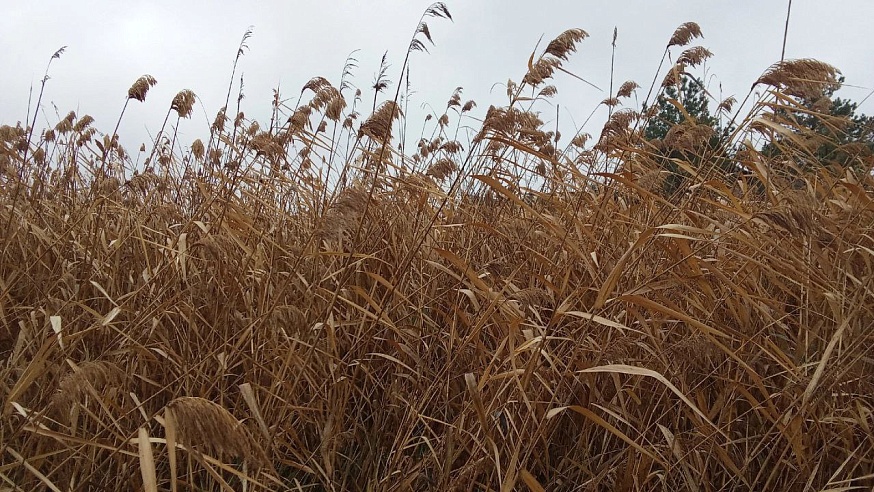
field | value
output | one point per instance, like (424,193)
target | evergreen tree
(692,135)
(839,136)
(691,95)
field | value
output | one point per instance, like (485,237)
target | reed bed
(302,306)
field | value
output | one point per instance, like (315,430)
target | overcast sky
(191,45)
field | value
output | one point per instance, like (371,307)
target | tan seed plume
(210,428)
(141,87)
(685,33)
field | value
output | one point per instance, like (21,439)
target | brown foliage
(442,321)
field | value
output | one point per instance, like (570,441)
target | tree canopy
(835,135)
(682,129)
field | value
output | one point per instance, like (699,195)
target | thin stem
(158,137)
(240,51)
(786,31)
(39,101)
(42,88)
(612,59)
(114,133)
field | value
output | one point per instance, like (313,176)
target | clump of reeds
(299,304)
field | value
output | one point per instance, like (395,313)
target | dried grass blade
(42,478)
(147,462)
(531,482)
(820,366)
(678,452)
(170,432)
(252,402)
(110,316)
(500,188)
(642,371)
(56,327)
(650,304)
(585,412)
(462,265)
(393,359)
(608,285)
(34,370)
(598,319)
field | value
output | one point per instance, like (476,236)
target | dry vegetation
(302,306)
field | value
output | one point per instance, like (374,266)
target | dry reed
(439,322)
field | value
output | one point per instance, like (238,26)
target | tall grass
(300,306)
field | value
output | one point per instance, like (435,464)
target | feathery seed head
(208,427)
(580,140)
(626,88)
(806,78)
(197,149)
(566,43)
(694,56)
(378,125)
(674,75)
(688,136)
(685,33)
(541,70)
(74,386)
(727,104)
(183,103)
(336,107)
(10,133)
(620,121)
(300,119)
(39,156)
(452,147)
(455,100)
(66,125)
(438,9)
(215,156)
(423,28)
(141,87)
(83,123)
(344,215)
(315,84)
(548,91)
(442,169)
(347,123)
(218,125)
(326,96)
(265,144)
